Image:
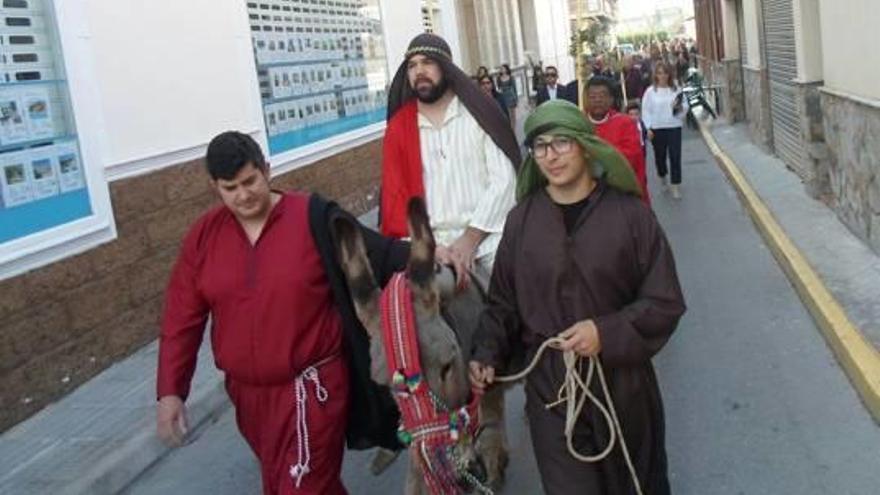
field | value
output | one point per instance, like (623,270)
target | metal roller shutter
(781,59)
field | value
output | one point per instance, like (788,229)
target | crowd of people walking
(647,85)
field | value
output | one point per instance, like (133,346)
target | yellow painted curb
(859,358)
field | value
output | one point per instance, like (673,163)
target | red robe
(401,170)
(622,133)
(273,316)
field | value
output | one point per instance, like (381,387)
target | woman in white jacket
(663,110)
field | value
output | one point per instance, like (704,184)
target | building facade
(593,8)
(107,108)
(669,19)
(808,91)
(519,33)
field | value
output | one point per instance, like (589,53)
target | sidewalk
(100,437)
(845,265)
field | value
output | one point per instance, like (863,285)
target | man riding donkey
(448,143)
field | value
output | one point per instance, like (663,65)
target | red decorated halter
(427,425)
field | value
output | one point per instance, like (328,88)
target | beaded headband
(429,49)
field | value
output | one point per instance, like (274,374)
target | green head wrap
(563,118)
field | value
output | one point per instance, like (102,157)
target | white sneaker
(676,193)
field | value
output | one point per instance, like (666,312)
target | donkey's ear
(355,264)
(421,258)
(353,258)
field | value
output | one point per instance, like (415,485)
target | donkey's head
(443,363)
(442,359)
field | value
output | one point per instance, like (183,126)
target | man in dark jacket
(553,89)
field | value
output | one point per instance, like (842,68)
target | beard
(430,92)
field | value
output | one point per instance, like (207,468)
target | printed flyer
(38,112)
(15,184)
(69,168)
(13,128)
(43,173)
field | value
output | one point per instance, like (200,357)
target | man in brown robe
(583,258)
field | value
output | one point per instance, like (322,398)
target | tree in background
(595,37)
(643,38)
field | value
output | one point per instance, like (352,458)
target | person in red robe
(616,128)
(283,329)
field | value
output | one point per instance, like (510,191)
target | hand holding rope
(574,392)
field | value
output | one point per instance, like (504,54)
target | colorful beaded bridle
(428,427)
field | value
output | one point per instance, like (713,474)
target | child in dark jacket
(635,112)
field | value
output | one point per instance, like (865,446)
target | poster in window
(39,117)
(69,168)
(13,128)
(44,177)
(311,59)
(15,183)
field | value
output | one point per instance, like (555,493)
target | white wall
(753,33)
(554,36)
(449,30)
(171,74)
(471,50)
(850,37)
(402,21)
(529,26)
(808,36)
(731,31)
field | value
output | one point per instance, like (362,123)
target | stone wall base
(816,179)
(852,132)
(757,106)
(727,75)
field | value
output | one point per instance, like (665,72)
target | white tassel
(303,454)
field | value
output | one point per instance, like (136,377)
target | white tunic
(469,181)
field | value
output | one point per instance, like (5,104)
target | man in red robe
(616,128)
(283,328)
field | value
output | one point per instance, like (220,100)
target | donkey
(445,321)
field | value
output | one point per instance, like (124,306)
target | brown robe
(616,268)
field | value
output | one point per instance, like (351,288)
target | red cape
(621,132)
(401,170)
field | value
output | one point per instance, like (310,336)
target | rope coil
(573,385)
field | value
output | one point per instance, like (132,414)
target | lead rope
(303,453)
(568,393)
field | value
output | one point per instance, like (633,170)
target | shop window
(50,196)
(325,69)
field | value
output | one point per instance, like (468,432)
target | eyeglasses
(551,74)
(560,144)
